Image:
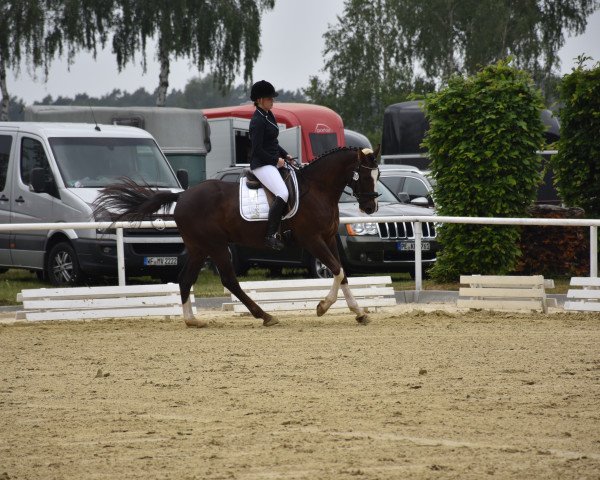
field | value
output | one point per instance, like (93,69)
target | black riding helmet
(262,89)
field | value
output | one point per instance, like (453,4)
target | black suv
(363,247)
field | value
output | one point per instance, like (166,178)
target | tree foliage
(367,69)
(382,50)
(199,92)
(38,30)
(204,92)
(482,141)
(20,25)
(577,164)
(461,36)
(222,35)
(75,25)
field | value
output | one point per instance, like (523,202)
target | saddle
(255,200)
(253,183)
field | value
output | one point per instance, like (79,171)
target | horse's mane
(329,152)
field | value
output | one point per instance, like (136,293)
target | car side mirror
(403,197)
(38,180)
(420,202)
(184,179)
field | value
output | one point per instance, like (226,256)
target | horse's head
(364,180)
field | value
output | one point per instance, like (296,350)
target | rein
(353,183)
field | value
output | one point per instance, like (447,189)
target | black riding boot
(275,214)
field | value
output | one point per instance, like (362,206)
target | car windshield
(386,195)
(98,162)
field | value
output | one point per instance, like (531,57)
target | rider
(266,156)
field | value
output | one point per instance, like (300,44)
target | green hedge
(484,132)
(577,164)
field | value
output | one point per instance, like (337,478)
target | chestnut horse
(208,219)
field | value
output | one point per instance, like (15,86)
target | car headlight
(355,229)
(103,216)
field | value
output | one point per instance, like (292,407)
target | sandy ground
(415,394)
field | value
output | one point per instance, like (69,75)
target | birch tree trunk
(5,98)
(163,77)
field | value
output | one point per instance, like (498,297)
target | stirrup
(273,241)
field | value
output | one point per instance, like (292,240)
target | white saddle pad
(254,206)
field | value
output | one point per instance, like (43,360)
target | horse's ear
(361,155)
(376,152)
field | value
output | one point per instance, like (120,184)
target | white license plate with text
(410,246)
(160,261)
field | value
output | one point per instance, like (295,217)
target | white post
(418,265)
(593,251)
(120,257)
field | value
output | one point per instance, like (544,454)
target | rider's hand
(280,162)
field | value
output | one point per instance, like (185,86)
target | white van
(182,134)
(52,172)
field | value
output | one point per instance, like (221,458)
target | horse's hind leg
(187,278)
(228,279)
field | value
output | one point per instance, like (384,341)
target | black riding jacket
(263,137)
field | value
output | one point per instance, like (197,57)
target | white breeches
(269,176)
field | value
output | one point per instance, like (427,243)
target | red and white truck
(306,131)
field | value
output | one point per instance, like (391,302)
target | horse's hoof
(363,320)
(269,322)
(321,310)
(194,322)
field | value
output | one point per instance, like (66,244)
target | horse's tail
(134,202)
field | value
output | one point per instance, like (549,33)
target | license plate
(410,246)
(160,261)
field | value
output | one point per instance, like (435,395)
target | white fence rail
(160,224)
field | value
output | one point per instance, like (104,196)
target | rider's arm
(282,152)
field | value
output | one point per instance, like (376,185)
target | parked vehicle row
(52,173)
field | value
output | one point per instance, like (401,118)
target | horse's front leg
(329,255)
(331,297)
(361,315)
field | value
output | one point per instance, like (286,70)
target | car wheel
(318,269)
(169,278)
(62,266)
(275,272)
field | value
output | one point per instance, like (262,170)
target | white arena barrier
(86,303)
(586,299)
(305,294)
(494,292)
